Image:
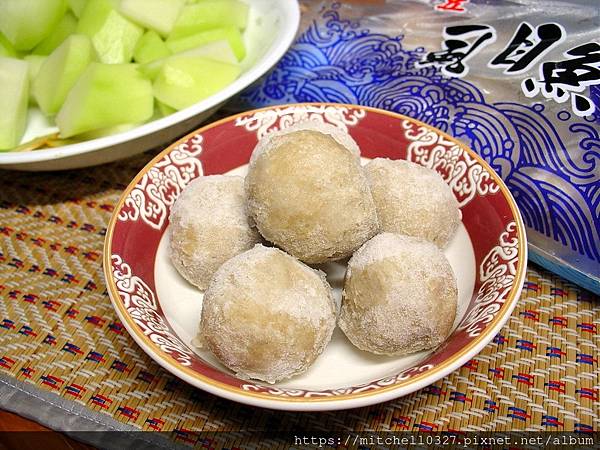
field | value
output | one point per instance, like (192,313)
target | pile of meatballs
(254,246)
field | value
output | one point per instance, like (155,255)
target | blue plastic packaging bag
(517,81)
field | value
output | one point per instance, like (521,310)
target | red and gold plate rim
(282,399)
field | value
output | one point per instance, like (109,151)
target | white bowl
(271,30)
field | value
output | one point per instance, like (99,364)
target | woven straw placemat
(59,333)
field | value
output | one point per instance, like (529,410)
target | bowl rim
(290,24)
(320,403)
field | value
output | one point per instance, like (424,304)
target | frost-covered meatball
(399,296)
(266,315)
(413,200)
(308,194)
(208,226)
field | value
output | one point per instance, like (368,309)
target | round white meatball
(399,297)
(266,315)
(308,194)
(208,226)
(413,200)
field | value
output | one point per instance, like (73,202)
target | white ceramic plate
(271,29)
(341,363)
(161,310)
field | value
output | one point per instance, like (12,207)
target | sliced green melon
(35,62)
(60,71)
(104,96)
(149,48)
(231,34)
(77,6)
(217,50)
(6,48)
(209,14)
(185,80)
(26,22)
(14,96)
(114,37)
(65,28)
(158,15)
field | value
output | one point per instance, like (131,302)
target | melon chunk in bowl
(14,96)
(231,34)
(114,37)
(158,15)
(66,27)
(60,71)
(185,80)
(209,14)
(96,101)
(26,22)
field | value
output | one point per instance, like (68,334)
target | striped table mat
(61,342)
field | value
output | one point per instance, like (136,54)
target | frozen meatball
(399,296)
(413,200)
(308,194)
(266,315)
(208,226)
